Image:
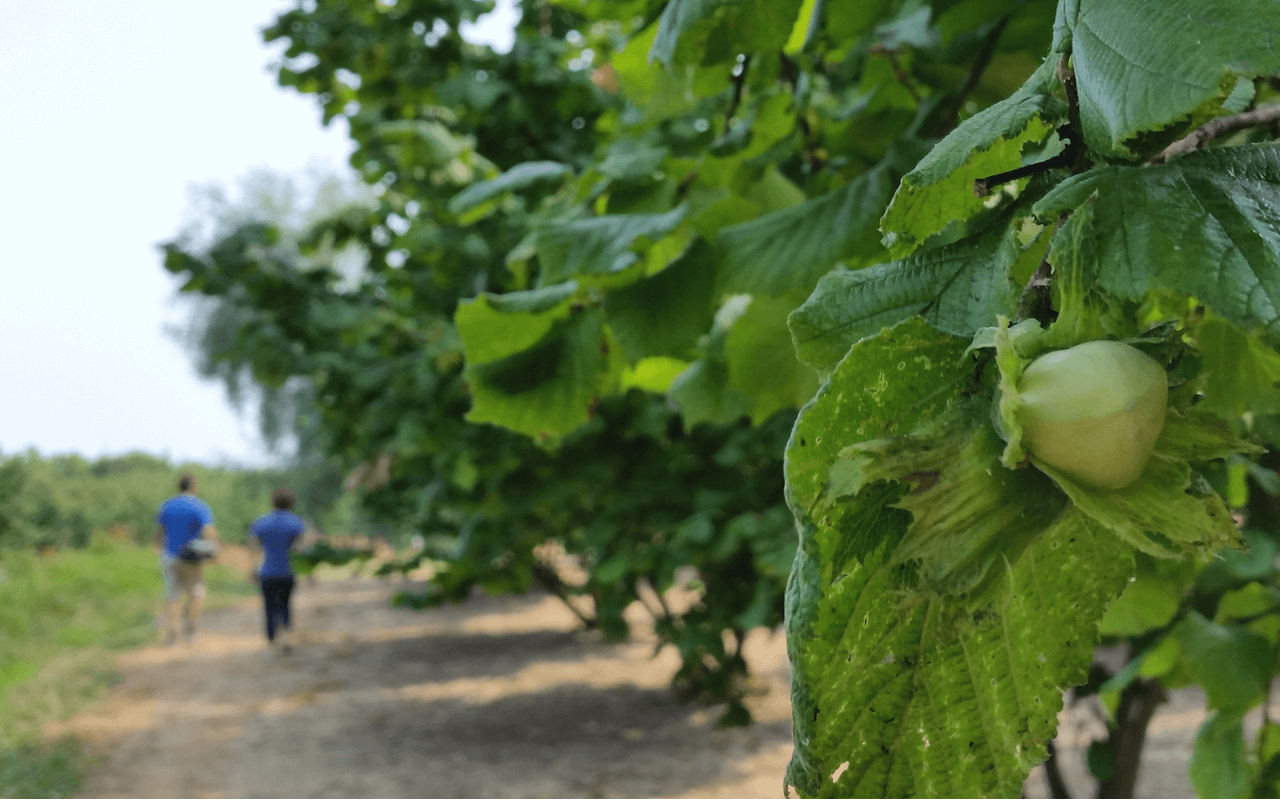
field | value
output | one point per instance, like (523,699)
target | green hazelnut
(1093,411)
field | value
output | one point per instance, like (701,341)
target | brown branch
(982,186)
(1214,128)
(1036,300)
(1068,78)
(1138,704)
(1057,786)
(980,64)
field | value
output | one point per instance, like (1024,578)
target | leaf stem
(1212,129)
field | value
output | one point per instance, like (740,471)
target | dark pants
(275,595)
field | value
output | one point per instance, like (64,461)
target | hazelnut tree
(1040,299)
(979,241)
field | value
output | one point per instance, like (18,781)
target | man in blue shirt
(274,534)
(182,520)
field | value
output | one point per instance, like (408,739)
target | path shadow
(574,740)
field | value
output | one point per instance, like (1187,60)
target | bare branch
(1214,128)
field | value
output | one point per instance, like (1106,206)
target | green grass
(62,617)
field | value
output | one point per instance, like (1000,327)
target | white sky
(111,109)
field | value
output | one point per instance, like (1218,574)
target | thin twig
(1068,78)
(1214,128)
(898,72)
(980,64)
(739,78)
(982,186)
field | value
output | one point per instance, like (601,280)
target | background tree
(633,497)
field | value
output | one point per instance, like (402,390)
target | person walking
(184,523)
(273,535)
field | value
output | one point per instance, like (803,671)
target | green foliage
(721,162)
(62,501)
(494,227)
(1137,88)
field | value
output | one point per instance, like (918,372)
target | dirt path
(493,698)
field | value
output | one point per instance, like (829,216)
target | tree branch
(898,72)
(980,64)
(1214,128)
(1057,786)
(1138,704)
(1067,158)
(739,77)
(1068,78)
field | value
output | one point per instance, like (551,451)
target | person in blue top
(182,520)
(274,534)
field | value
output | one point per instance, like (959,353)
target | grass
(62,617)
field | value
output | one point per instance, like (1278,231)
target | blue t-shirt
(182,517)
(277,531)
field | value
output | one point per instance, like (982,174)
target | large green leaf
(762,362)
(537,362)
(1205,225)
(847,20)
(791,249)
(706,31)
(518,177)
(495,326)
(938,194)
(602,249)
(702,391)
(1231,662)
(1132,77)
(1243,372)
(958,288)
(1219,765)
(878,673)
(663,315)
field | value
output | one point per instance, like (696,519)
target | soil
(497,697)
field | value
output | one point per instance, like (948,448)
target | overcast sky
(112,109)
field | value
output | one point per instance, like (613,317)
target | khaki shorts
(181,577)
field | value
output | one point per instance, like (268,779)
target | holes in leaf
(840,770)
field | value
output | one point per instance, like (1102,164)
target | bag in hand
(198,550)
